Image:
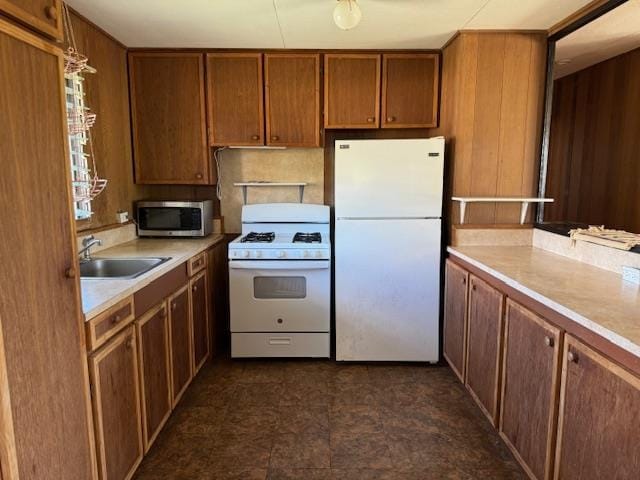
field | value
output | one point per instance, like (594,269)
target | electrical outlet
(631,274)
(122,217)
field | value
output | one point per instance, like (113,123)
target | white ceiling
(309,23)
(612,34)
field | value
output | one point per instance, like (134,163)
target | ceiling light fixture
(347,14)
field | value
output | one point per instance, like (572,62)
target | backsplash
(288,165)
(110,237)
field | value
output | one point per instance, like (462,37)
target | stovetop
(281,246)
(293,240)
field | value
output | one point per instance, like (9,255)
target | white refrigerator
(388,225)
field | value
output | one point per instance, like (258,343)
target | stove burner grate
(253,237)
(307,237)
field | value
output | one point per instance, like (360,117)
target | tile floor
(318,420)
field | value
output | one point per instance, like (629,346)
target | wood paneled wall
(107,94)
(491,114)
(594,159)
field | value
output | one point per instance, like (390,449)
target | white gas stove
(280,282)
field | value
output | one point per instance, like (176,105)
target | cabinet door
(116,406)
(43,367)
(200,319)
(181,346)
(44,16)
(598,433)
(292,84)
(484,342)
(529,389)
(455,317)
(155,371)
(351,91)
(410,90)
(169,119)
(236,98)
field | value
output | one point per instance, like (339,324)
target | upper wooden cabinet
(410,90)
(236,99)
(351,91)
(116,402)
(169,118)
(484,343)
(292,87)
(598,434)
(455,317)
(529,388)
(45,16)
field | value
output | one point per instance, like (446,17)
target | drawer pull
(255,137)
(199,176)
(572,357)
(51,12)
(548,341)
(275,138)
(280,341)
(371,119)
(116,318)
(391,119)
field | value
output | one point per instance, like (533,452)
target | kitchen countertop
(597,299)
(100,294)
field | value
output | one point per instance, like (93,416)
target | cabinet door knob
(275,137)
(51,12)
(371,119)
(391,119)
(255,137)
(572,357)
(70,272)
(116,318)
(163,313)
(129,343)
(199,176)
(473,287)
(195,288)
(464,280)
(548,341)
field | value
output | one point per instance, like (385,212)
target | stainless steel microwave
(175,219)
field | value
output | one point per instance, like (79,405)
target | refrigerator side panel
(387,290)
(389,178)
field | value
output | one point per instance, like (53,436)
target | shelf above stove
(246,185)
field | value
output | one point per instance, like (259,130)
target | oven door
(279,296)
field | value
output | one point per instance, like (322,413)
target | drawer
(280,345)
(197,263)
(105,325)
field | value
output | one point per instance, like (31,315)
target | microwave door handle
(279,265)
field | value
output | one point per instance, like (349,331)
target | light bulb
(347,14)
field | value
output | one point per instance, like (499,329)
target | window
(77,115)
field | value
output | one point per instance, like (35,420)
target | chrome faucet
(87,243)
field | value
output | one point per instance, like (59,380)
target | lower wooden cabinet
(181,342)
(155,371)
(116,406)
(455,317)
(484,345)
(599,420)
(529,388)
(200,319)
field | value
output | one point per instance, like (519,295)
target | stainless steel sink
(122,268)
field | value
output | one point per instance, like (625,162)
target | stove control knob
(258,254)
(307,254)
(246,254)
(318,254)
(282,254)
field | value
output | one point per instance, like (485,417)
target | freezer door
(387,290)
(389,178)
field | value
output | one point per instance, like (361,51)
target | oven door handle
(280,264)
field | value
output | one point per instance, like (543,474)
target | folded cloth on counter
(607,237)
